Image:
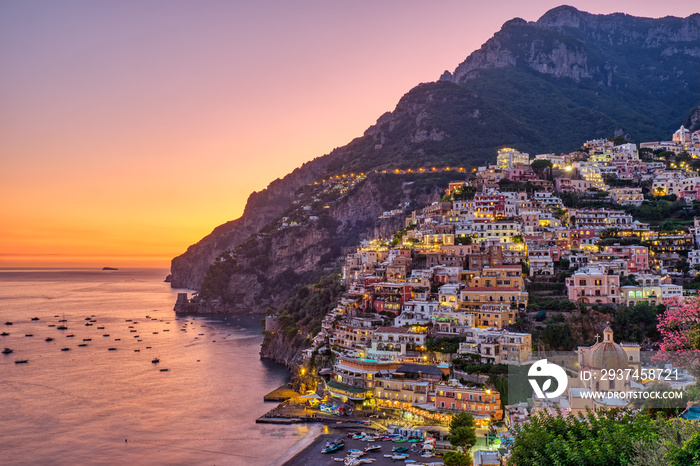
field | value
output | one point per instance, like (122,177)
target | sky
(130,129)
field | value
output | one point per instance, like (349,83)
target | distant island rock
(109,268)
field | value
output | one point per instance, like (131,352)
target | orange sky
(129,130)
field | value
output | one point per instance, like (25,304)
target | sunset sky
(130,129)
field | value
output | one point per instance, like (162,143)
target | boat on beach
(7,351)
(333,447)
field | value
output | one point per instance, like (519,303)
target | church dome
(607,354)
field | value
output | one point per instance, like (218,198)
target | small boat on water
(400,449)
(48,339)
(399,456)
(22,361)
(35,318)
(106,335)
(4,334)
(28,334)
(372,448)
(8,323)
(100,328)
(83,344)
(7,351)
(111,349)
(65,349)
(70,336)
(61,327)
(155,361)
(164,370)
(87,339)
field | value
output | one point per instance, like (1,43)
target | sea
(92,393)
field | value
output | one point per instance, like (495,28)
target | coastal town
(518,259)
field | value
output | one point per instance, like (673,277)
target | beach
(312,456)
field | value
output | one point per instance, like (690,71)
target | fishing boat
(48,339)
(35,318)
(8,323)
(65,349)
(400,440)
(399,456)
(372,448)
(7,351)
(4,334)
(155,361)
(400,449)
(22,361)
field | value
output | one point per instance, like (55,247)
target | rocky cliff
(539,86)
(568,43)
(307,240)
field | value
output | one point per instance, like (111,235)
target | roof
(484,457)
(423,368)
(341,386)
(492,288)
(391,330)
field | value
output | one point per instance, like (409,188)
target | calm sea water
(79,406)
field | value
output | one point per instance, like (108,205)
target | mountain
(543,86)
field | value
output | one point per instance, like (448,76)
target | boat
(48,339)
(4,334)
(70,336)
(28,334)
(65,349)
(401,440)
(83,345)
(35,318)
(61,327)
(6,351)
(333,447)
(399,456)
(87,339)
(164,370)
(8,323)
(400,449)
(155,361)
(371,448)
(111,349)
(22,361)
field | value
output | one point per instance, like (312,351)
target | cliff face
(566,42)
(544,86)
(189,269)
(265,269)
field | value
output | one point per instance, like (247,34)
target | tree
(606,437)
(680,335)
(689,454)
(462,431)
(455,458)
(540,167)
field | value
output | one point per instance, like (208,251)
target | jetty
(282,393)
